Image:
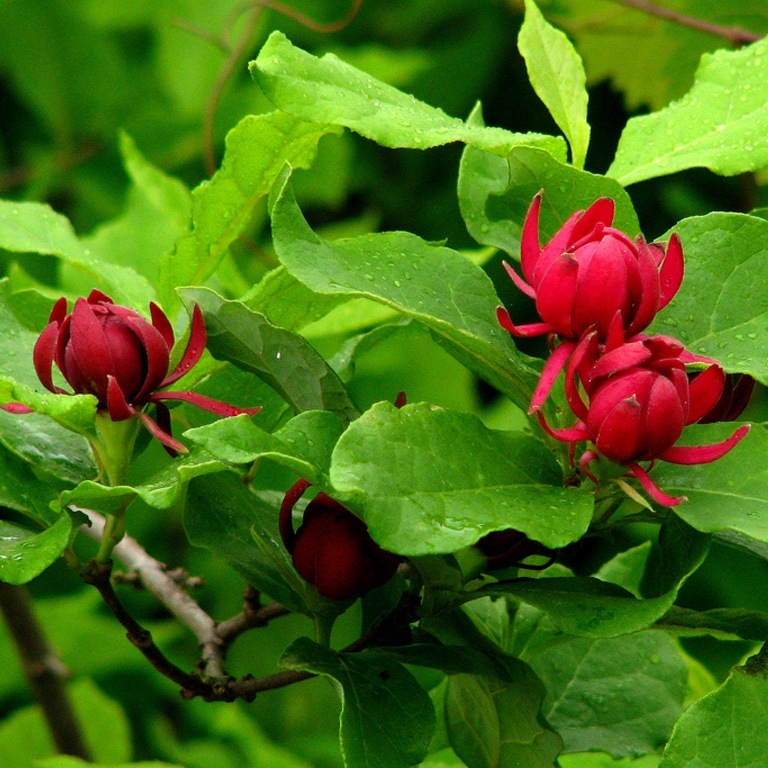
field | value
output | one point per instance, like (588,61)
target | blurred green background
(172,74)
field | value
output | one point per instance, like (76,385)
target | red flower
(640,399)
(332,548)
(590,272)
(112,352)
(590,277)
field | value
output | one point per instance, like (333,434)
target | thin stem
(735,35)
(46,675)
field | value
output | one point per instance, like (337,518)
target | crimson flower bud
(590,272)
(112,352)
(332,548)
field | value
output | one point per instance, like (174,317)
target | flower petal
(89,348)
(555,363)
(705,390)
(16,408)
(206,403)
(671,273)
(117,405)
(703,454)
(162,323)
(294,493)
(42,356)
(532,329)
(164,437)
(530,247)
(652,489)
(519,282)
(194,350)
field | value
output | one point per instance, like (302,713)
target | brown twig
(735,35)
(46,675)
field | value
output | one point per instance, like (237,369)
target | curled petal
(43,353)
(206,403)
(703,454)
(573,434)
(156,356)
(652,489)
(705,390)
(117,405)
(58,312)
(519,282)
(194,350)
(555,363)
(97,297)
(532,329)
(164,437)
(671,272)
(161,322)
(530,247)
(294,493)
(650,290)
(556,292)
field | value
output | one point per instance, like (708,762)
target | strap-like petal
(206,403)
(652,489)
(703,454)
(194,350)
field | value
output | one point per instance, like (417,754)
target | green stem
(114,530)
(113,447)
(323,628)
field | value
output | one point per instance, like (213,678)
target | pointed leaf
(398,469)
(557,75)
(720,124)
(387,718)
(331,91)
(437,286)
(281,358)
(25,554)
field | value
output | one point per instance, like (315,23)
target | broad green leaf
(27,227)
(224,207)
(387,718)
(398,468)
(591,607)
(435,285)
(495,192)
(156,214)
(557,75)
(283,359)
(25,554)
(721,309)
(658,56)
(24,737)
(49,447)
(222,514)
(722,623)
(616,695)
(730,494)
(304,444)
(720,124)
(288,302)
(720,730)
(330,91)
(494,722)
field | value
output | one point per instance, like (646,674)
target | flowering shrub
(502,571)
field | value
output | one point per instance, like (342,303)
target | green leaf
(304,444)
(720,729)
(721,309)
(495,192)
(27,227)
(330,91)
(281,358)
(557,75)
(398,468)
(722,623)
(616,695)
(156,214)
(495,721)
(437,286)
(222,514)
(64,761)
(730,494)
(720,124)
(25,554)
(591,607)
(387,718)
(223,208)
